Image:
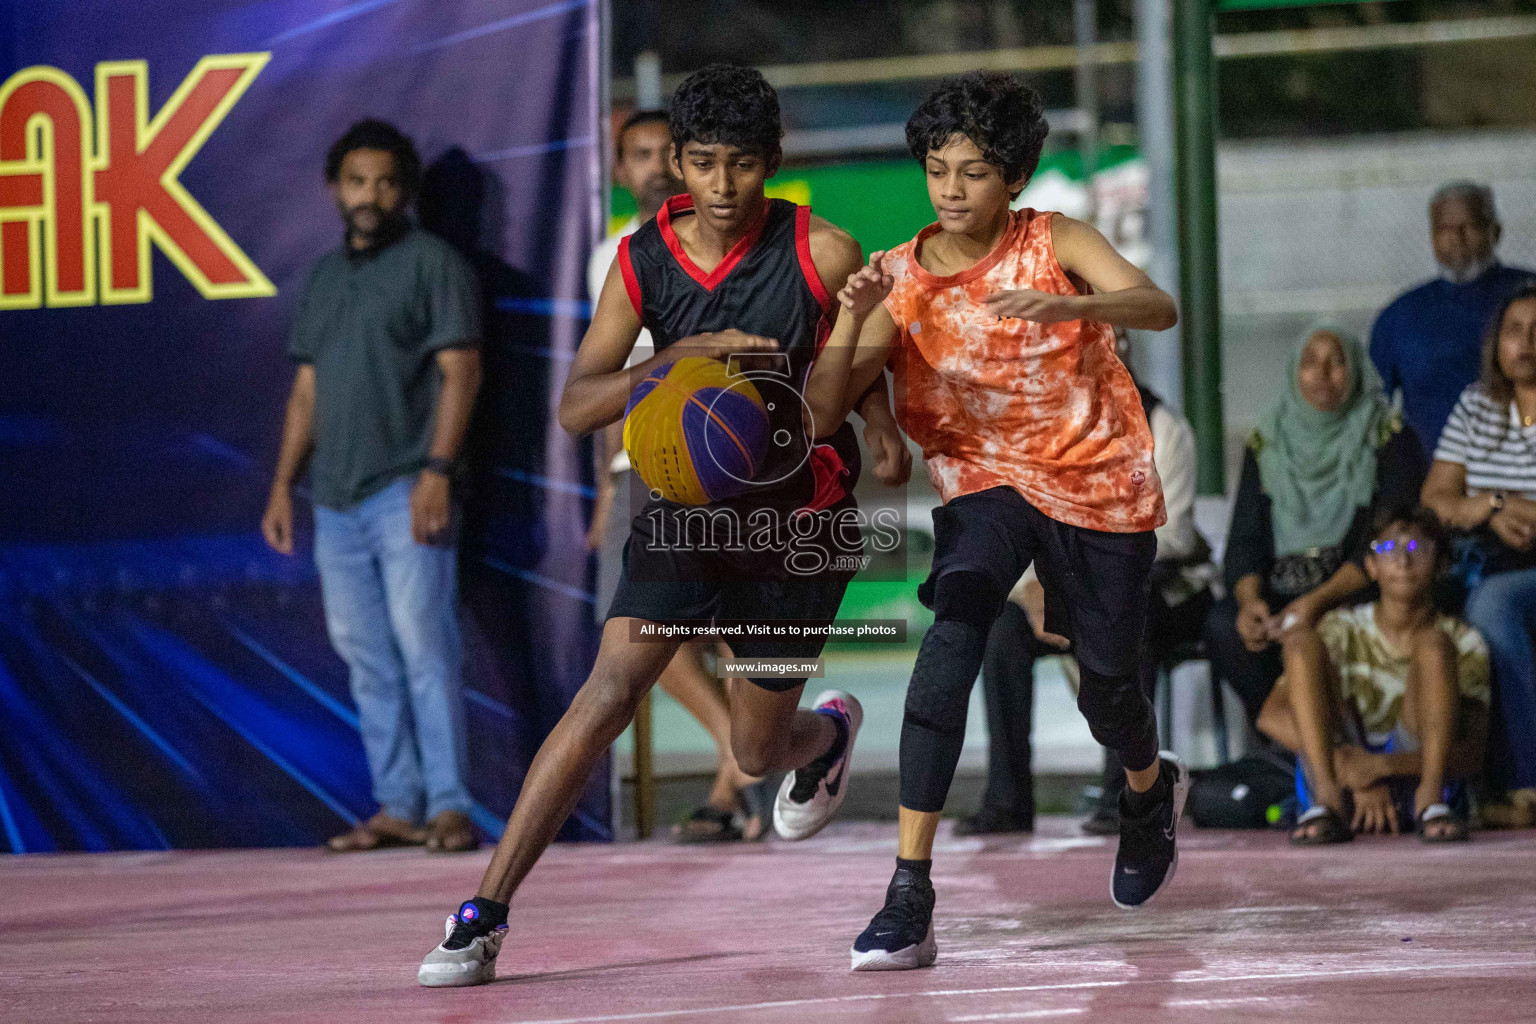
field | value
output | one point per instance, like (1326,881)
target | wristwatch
(440,466)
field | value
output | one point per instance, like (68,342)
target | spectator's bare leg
(1429,711)
(686,681)
(1309,677)
(1276,719)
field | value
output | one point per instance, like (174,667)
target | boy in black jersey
(726,273)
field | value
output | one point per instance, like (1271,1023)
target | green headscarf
(1319,467)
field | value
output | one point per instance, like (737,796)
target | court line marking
(1061,987)
(1065,1011)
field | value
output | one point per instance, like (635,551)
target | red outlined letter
(138,196)
(45,124)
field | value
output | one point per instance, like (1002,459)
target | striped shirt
(1487,438)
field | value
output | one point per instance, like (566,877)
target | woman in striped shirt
(1484,481)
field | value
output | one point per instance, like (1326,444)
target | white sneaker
(468,959)
(809,798)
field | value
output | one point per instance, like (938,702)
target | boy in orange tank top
(998,328)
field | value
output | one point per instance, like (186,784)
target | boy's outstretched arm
(1121,294)
(855,354)
(882,435)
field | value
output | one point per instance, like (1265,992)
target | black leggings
(933,729)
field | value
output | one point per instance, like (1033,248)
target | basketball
(695,432)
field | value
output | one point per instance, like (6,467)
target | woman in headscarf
(1327,455)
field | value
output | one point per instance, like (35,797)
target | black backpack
(1241,794)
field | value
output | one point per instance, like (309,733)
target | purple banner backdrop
(165,679)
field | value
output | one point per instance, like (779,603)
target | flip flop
(756,803)
(1329,828)
(1453,826)
(707,825)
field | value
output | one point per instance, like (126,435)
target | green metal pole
(1194,86)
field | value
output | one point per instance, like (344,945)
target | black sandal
(1453,826)
(1328,828)
(707,825)
(756,803)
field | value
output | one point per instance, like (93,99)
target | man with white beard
(1429,341)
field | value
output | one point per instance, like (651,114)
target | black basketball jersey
(767,285)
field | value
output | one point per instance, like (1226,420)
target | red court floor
(1385,930)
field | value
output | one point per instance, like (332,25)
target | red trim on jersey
(823,332)
(828,470)
(808,265)
(631,282)
(678,204)
(827,466)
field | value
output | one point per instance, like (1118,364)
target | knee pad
(947,664)
(1119,715)
(968,596)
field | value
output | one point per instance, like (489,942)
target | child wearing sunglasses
(1387,702)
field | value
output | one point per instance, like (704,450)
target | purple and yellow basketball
(695,432)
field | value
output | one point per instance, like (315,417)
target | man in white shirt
(738,805)
(1181,596)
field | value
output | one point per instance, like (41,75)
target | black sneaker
(901,935)
(1149,854)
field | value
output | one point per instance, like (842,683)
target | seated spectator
(1180,595)
(1427,342)
(1323,459)
(1385,699)
(1483,482)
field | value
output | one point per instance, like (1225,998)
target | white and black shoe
(810,796)
(1149,852)
(900,937)
(467,955)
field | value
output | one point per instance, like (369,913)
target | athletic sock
(809,777)
(1139,804)
(839,741)
(488,915)
(477,917)
(919,868)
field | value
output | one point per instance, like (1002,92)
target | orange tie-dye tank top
(1047,409)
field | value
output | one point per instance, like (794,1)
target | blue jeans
(1503,609)
(390,609)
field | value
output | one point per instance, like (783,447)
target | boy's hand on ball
(720,344)
(1028,304)
(867,287)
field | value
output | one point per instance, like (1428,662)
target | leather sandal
(379,832)
(452,832)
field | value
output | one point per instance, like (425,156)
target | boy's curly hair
(1001,115)
(730,105)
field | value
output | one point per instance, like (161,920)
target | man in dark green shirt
(387,345)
